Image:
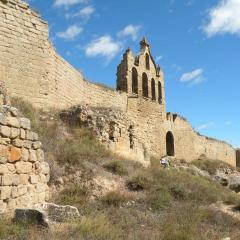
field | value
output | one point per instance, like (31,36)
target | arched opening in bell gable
(153,90)
(134,81)
(147,60)
(144,85)
(159,92)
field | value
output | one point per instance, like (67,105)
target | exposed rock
(46,214)
(221,178)
(30,217)
(58,213)
(234,183)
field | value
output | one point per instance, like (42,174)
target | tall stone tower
(140,77)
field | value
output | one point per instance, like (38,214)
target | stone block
(25,154)
(43,167)
(27,144)
(11,203)
(23,179)
(15,154)
(31,189)
(44,178)
(5,141)
(15,132)
(5,131)
(33,179)
(14,192)
(40,155)
(19,191)
(32,155)
(4,152)
(13,122)
(58,213)
(3,169)
(30,216)
(3,119)
(29,135)
(22,134)
(41,187)
(22,190)
(25,123)
(37,145)
(7,180)
(15,180)
(11,168)
(3,160)
(5,192)
(23,167)
(18,143)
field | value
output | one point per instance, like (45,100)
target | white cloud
(193,77)
(158,58)
(205,126)
(224,18)
(130,31)
(84,13)
(103,46)
(67,3)
(71,33)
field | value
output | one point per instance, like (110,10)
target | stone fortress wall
(23,172)
(31,68)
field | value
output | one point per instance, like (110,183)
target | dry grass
(211,166)
(164,187)
(115,198)
(166,204)
(73,195)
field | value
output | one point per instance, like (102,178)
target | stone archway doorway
(170,144)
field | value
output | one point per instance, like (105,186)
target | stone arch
(159,92)
(153,89)
(144,85)
(170,144)
(134,80)
(147,61)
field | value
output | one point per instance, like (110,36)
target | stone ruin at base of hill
(23,172)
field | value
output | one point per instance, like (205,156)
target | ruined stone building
(138,125)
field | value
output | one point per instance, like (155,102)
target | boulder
(234,183)
(221,178)
(46,214)
(30,217)
(58,213)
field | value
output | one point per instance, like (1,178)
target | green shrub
(116,167)
(115,198)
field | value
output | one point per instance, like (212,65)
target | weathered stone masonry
(31,68)
(23,172)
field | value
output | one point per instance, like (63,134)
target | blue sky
(196,42)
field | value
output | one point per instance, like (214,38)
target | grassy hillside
(145,203)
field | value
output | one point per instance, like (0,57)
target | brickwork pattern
(23,172)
